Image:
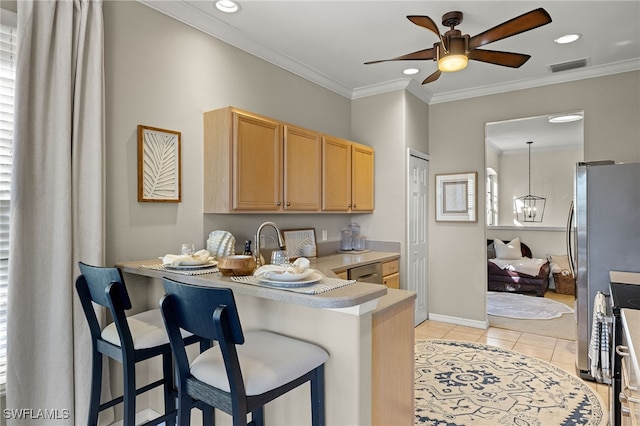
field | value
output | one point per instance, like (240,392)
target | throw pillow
(510,250)
(491,251)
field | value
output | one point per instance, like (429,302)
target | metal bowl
(238,265)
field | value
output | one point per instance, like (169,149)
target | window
(8,51)
(492,197)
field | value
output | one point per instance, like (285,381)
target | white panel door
(417,211)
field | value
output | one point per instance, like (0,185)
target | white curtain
(57,207)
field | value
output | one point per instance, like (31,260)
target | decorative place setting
(189,262)
(296,276)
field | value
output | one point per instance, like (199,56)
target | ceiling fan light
(452,63)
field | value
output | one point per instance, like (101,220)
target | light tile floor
(558,352)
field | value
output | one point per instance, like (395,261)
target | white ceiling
(327,42)
(513,135)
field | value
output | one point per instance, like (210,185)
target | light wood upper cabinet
(256,164)
(336,174)
(302,169)
(361,178)
(347,176)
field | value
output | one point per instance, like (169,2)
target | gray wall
(391,123)
(162,73)
(611,106)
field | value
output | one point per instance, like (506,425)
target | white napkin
(300,265)
(174,260)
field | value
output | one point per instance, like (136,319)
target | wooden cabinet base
(392,399)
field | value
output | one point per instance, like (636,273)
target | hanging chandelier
(530,208)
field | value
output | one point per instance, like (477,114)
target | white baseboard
(459,321)
(141,417)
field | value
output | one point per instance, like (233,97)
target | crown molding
(561,77)
(210,24)
(407,84)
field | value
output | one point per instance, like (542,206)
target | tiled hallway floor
(558,352)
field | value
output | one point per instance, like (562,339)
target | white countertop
(624,277)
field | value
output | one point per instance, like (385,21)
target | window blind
(8,51)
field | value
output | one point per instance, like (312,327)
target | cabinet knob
(354,206)
(278,203)
(288,203)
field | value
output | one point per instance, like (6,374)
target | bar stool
(245,370)
(128,340)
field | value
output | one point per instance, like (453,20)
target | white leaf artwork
(158,165)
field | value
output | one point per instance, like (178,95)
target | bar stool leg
(169,391)
(129,418)
(96,388)
(317,397)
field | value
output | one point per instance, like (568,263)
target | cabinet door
(392,281)
(257,163)
(361,178)
(336,174)
(302,169)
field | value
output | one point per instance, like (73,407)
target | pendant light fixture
(530,208)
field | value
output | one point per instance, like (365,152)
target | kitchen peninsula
(366,328)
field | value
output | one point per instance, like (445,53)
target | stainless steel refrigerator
(603,235)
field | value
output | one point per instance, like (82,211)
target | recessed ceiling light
(227,6)
(411,71)
(565,118)
(567,38)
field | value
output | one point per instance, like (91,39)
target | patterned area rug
(464,383)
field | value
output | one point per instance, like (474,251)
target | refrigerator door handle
(569,235)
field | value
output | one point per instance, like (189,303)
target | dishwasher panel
(371,273)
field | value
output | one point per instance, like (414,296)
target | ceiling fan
(454,49)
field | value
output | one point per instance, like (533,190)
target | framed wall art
(457,197)
(296,239)
(159,168)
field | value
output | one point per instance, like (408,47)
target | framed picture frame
(457,197)
(295,239)
(159,165)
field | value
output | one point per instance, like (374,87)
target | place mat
(322,286)
(161,267)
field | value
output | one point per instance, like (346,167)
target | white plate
(314,278)
(195,262)
(288,276)
(183,265)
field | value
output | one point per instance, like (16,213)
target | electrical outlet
(324,235)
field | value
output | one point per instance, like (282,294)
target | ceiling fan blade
(425,22)
(496,57)
(419,55)
(528,21)
(432,77)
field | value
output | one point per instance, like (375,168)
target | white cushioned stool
(245,370)
(127,340)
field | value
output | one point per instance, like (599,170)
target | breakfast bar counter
(362,371)
(343,297)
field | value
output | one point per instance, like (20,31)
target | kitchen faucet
(256,252)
